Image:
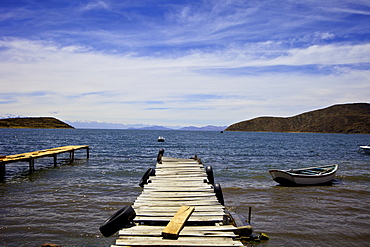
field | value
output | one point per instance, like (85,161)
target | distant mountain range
(341,118)
(11,121)
(103,125)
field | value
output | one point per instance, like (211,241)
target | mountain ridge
(340,118)
(34,123)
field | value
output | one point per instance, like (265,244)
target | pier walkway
(177,183)
(31,156)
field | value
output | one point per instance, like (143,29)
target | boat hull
(287,178)
(366,149)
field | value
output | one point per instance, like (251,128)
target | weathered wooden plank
(159,181)
(199,208)
(160,194)
(182,160)
(170,167)
(200,218)
(170,214)
(178,185)
(171,211)
(178,189)
(207,231)
(185,168)
(181,241)
(180,174)
(189,176)
(176,178)
(175,203)
(170,199)
(177,223)
(179,166)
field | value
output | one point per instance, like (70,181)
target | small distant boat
(160,139)
(365,149)
(305,176)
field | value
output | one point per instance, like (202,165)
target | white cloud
(38,78)
(327,55)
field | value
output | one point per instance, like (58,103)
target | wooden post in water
(87,152)
(32,164)
(71,156)
(2,170)
(55,160)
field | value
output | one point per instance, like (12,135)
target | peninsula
(34,123)
(341,118)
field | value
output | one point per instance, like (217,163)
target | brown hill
(344,118)
(34,123)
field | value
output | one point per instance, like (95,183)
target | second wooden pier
(31,156)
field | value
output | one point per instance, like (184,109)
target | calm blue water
(66,205)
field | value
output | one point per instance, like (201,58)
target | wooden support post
(87,153)
(55,160)
(32,165)
(2,170)
(174,227)
(71,156)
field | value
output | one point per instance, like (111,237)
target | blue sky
(181,62)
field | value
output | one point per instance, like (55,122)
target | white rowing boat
(365,149)
(305,176)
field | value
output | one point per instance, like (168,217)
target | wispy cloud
(96,5)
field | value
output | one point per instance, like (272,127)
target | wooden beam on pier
(177,223)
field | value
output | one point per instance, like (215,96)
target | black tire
(117,221)
(160,155)
(147,174)
(218,191)
(209,171)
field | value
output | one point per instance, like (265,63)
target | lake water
(66,205)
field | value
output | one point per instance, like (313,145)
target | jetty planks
(178,183)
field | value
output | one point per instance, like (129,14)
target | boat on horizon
(160,139)
(305,176)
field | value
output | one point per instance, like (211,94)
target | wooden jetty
(178,183)
(31,156)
